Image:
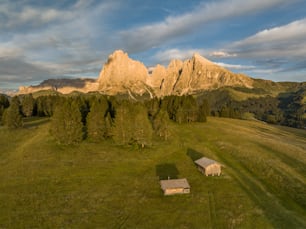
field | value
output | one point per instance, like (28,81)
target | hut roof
(205,162)
(175,183)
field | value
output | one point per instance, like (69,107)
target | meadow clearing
(90,185)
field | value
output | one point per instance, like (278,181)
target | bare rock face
(194,75)
(173,73)
(157,76)
(122,74)
(163,79)
(199,73)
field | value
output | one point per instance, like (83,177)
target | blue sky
(42,39)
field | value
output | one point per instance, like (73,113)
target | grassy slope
(263,184)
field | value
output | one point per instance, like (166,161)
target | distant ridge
(64,86)
(8,92)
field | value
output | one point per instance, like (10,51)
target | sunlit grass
(263,184)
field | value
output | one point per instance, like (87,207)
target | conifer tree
(132,124)
(4,103)
(142,127)
(179,115)
(12,117)
(173,104)
(3,117)
(27,105)
(202,113)
(153,106)
(122,129)
(83,106)
(161,124)
(98,121)
(190,109)
(47,104)
(108,126)
(225,112)
(206,108)
(40,103)
(66,125)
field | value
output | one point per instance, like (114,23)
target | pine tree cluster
(98,118)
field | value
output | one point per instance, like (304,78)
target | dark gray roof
(174,183)
(205,162)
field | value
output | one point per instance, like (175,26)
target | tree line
(100,118)
(288,109)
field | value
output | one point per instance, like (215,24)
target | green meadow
(263,181)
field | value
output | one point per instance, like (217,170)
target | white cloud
(287,41)
(222,54)
(266,71)
(165,56)
(7,50)
(274,52)
(59,49)
(32,16)
(182,54)
(147,36)
(295,31)
(235,66)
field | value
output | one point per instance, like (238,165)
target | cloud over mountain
(286,41)
(147,36)
(71,38)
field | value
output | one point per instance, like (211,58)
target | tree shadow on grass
(193,154)
(166,171)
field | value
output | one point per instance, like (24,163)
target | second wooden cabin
(208,166)
(175,186)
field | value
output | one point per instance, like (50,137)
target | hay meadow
(90,185)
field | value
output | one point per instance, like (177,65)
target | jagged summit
(118,53)
(193,75)
(203,60)
(121,74)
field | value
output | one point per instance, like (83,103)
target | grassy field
(263,184)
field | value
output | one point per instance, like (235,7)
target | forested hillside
(286,108)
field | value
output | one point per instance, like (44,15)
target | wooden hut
(175,186)
(208,166)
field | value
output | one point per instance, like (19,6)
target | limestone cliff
(194,75)
(199,74)
(121,74)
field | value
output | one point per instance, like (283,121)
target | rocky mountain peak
(120,74)
(198,58)
(117,56)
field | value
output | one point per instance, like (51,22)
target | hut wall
(202,170)
(214,169)
(174,191)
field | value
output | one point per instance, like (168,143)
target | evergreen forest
(126,121)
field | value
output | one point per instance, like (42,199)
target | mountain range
(228,94)
(121,74)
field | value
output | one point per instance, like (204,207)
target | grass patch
(45,185)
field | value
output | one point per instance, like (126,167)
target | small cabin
(208,166)
(175,186)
